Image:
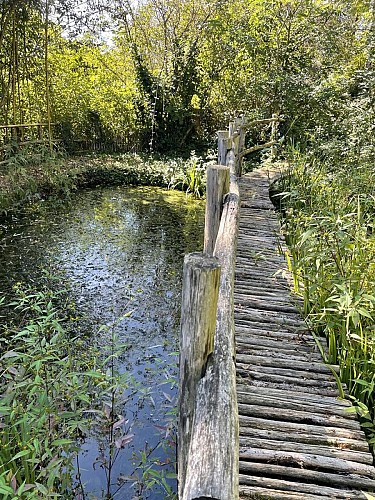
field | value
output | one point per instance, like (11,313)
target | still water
(121,251)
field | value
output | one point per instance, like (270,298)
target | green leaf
(59,442)
(40,487)
(21,454)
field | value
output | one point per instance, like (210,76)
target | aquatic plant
(192,177)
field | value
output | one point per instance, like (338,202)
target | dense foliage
(329,207)
(169,73)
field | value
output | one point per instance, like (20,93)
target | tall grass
(329,217)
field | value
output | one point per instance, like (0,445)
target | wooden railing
(24,133)
(208,415)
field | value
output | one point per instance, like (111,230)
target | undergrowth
(329,216)
(45,388)
(34,173)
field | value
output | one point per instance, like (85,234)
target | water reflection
(121,249)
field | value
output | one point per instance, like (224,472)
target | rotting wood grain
(297,438)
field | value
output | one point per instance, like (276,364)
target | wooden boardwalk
(297,441)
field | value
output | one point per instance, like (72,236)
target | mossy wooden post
(222,146)
(212,467)
(201,278)
(241,144)
(217,187)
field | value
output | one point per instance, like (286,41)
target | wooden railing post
(223,136)
(212,468)
(241,145)
(201,278)
(217,187)
(274,134)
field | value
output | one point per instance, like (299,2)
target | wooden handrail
(24,125)
(213,453)
(264,121)
(208,442)
(257,148)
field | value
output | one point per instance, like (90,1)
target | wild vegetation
(161,76)
(328,205)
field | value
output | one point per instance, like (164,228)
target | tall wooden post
(222,146)
(217,187)
(241,144)
(274,134)
(201,279)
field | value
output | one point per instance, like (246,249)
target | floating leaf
(167,397)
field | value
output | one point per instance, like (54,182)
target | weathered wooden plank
(270,384)
(295,328)
(278,489)
(298,427)
(273,343)
(307,475)
(278,362)
(265,283)
(331,451)
(264,305)
(307,461)
(298,416)
(321,439)
(300,377)
(286,354)
(243,295)
(293,351)
(317,406)
(277,320)
(253,329)
(296,396)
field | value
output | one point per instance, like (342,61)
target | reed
(328,223)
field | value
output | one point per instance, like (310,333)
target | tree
(164,39)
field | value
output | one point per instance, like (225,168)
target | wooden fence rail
(23,132)
(16,136)
(208,415)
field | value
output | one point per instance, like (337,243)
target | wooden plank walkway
(297,441)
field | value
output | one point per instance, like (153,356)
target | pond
(121,251)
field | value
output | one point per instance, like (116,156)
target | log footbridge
(259,412)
